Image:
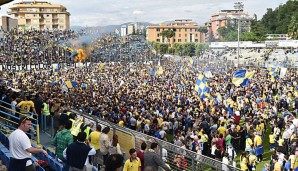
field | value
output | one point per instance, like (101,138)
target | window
(179,35)
(179,40)
(61,27)
(34,15)
(157,29)
(190,30)
(48,15)
(158,40)
(185,40)
(48,26)
(185,35)
(196,40)
(179,30)
(157,35)
(185,29)
(48,21)
(196,35)
(174,40)
(61,21)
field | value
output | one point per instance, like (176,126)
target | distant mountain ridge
(108,28)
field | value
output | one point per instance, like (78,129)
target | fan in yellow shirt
(222,129)
(272,141)
(277,165)
(133,163)
(121,123)
(243,161)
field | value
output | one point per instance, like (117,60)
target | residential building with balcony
(225,17)
(40,15)
(185,30)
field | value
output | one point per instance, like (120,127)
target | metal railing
(168,151)
(10,118)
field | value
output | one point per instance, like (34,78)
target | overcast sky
(108,12)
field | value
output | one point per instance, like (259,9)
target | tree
(156,46)
(203,30)
(200,48)
(189,49)
(259,30)
(167,34)
(177,48)
(163,48)
(293,29)
(249,36)
(211,36)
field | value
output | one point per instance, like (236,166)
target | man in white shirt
(20,147)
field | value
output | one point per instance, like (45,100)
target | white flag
(283,72)
(208,74)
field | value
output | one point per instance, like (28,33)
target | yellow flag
(160,71)
(186,70)
(101,65)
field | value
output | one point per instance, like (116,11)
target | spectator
(152,159)
(140,154)
(94,141)
(62,140)
(114,146)
(133,163)
(77,153)
(113,163)
(104,143)
(20,147)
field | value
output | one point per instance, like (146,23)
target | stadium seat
(51,153)
(39,168)
(59,166)
(94,168)
(51,162)
(6,159)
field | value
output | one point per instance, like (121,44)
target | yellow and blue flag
(241,77)
(201,86)
(273,72)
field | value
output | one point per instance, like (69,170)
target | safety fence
(10,116)
(173,155)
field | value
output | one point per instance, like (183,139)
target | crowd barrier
(9,119)
(194,161)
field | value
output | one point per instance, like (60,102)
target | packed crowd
(167,104)
(114,48)
(160,103)
(21,46)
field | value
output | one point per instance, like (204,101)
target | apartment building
(40,15)
(185,31)
(225,17)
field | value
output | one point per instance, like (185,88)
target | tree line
(185,49)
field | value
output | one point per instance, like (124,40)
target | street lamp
(238,6)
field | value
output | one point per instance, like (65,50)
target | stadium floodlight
(238,6)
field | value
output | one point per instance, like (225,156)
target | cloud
(103,12)
(137,12)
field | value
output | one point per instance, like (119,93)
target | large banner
(40,66)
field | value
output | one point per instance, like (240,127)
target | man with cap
(266,167)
